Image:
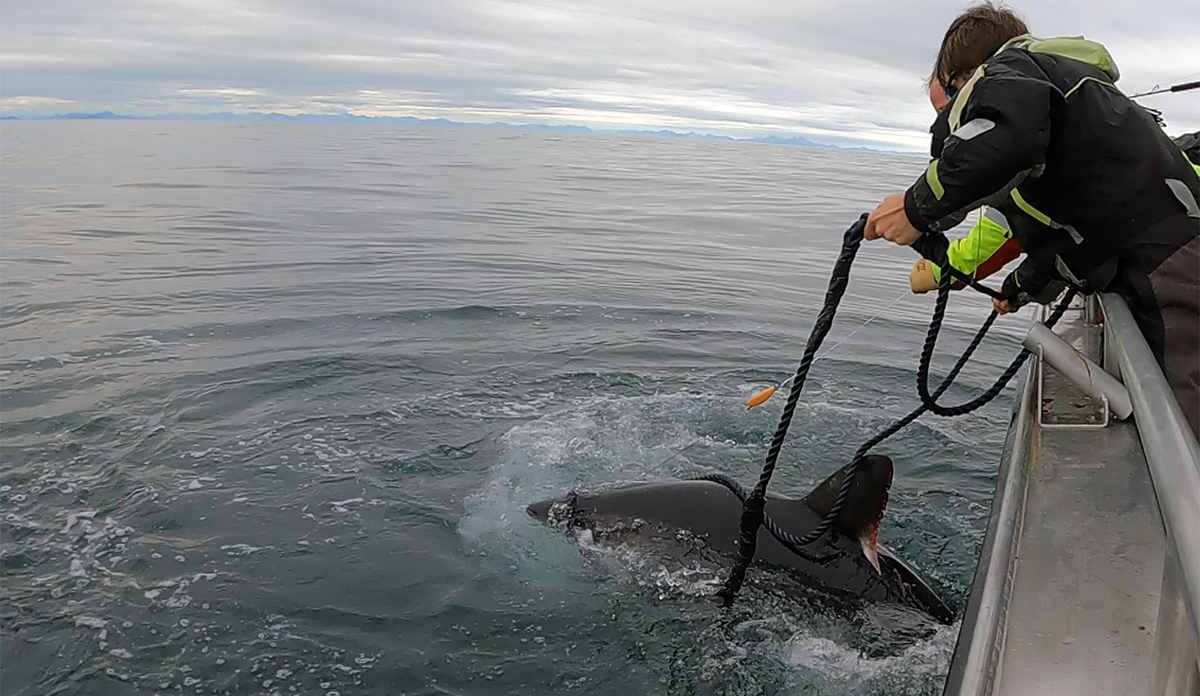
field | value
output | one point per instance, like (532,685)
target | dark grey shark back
(710,512)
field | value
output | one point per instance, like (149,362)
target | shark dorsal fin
(863,511)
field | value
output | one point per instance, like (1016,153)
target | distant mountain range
(795,140)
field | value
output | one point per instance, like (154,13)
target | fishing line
(761,396)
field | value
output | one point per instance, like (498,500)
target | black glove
(1051,292)
(1012,293)
(1017,296)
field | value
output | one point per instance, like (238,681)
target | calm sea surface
(274,397)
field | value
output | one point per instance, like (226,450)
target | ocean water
(275,396)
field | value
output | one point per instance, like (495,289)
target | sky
(836,71)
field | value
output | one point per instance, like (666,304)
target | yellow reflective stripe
(967,253)
(1086,79)
(931,178)
(981,242)
(1019,41)
(1032,211)
(964,94)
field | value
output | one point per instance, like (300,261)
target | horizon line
(789,140)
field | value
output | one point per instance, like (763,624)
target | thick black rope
(939,310)
(781,535)
(932,247)
(935,247)
(752,506)
(794,542)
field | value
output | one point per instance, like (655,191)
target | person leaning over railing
(1038,126)
(989,244)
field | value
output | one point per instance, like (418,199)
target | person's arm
(999,130)
(986,248)
(987,141)
(1036,277)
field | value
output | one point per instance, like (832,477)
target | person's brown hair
(973,37)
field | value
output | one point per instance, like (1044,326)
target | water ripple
(276,395)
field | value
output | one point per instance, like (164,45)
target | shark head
(557,513)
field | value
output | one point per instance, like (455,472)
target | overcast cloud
(838,71)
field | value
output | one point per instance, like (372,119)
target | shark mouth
(869,546)
(868,535)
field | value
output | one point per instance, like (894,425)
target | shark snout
(561,511)
(540,510)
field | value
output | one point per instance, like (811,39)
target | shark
(847,562)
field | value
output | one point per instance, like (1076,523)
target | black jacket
(1050,136)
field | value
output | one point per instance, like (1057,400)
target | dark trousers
(1159,276)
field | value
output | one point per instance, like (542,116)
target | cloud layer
(844,71)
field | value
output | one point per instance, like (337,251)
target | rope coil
(933,247)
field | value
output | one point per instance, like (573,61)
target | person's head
(972,38)
(937,95)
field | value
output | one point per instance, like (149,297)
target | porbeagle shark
(847,561)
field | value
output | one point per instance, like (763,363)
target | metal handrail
(1172,453)
(973,669)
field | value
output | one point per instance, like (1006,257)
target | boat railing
(1173,457)
(1144,473)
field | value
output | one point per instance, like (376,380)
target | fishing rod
(1181,87)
